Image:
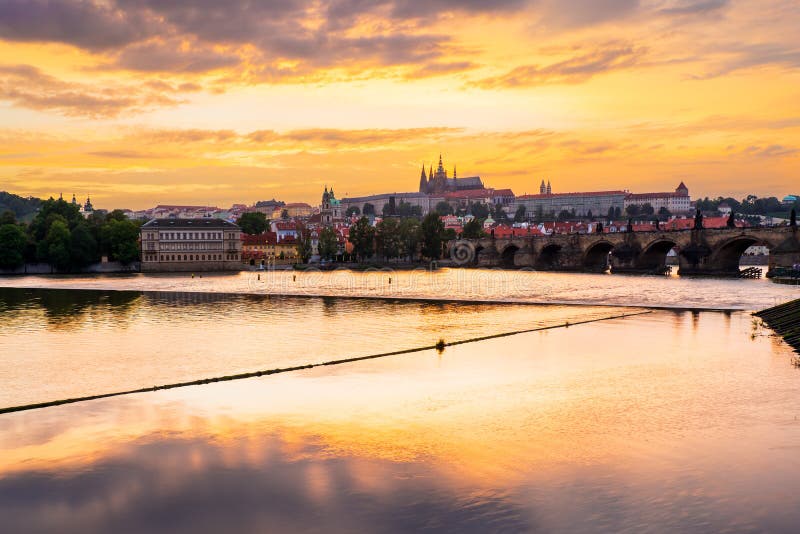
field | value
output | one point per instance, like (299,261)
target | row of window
(190,246)
(192,236)
(189,257)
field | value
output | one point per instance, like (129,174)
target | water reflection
(566,430)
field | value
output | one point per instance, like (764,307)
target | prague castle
(438,182)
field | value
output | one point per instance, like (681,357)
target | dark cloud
(28,87)
(578,13)
(577,69)
(82,23)
(740,56)
(156,56)
(694,7)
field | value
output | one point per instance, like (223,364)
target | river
(673,419)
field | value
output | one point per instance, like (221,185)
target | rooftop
(205,222)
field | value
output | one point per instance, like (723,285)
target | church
(436,183)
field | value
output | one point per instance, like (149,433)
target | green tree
(368,209)
(12,246)
(253,223)
(8,217)
(352,210)
(473,229)
(54,210)
(57,245)
(304,247)
(387,238)
(409,235)
(362,236)
(83,247)
(120,240)
(663,212)
(519,215)
(479,210)
(564,215)
(431,230)
(632,210)
(328,244)
(444,208)
(647,209)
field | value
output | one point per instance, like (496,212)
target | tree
(664,213)
(519,215)
(387,238)
(432,229)
(120,240)
(632,210)
(444,208)
(56,245)
(479,210)
(409,235)
(473,229)
(253,223)
(352,210)
(564,215)
(590,215)
(617,212)
(368,209)
(303,246)
(328,244)
(83,247)
(12,246)
(8,217)
(610,212)
(647,209)
(362,236)
(50,211)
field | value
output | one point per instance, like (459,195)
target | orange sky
(140,102)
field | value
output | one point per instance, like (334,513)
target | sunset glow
(140,102)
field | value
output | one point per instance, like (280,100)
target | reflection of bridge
(706,251)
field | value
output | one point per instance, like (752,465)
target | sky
(145,102)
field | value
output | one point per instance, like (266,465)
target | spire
(74,200)
(549,189)
(422,176)
(455,173)
(542,188)
(423,181)
(440,168)
(430,175)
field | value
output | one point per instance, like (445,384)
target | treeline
(22,208)
(400,238)
(60,236)
(750,205)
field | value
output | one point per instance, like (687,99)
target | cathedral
(438,182)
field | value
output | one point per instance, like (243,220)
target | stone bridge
(706,251)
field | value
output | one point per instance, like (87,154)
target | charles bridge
(713,251)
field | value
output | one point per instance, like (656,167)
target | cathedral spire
(455,173)
(542,188)
(549,189)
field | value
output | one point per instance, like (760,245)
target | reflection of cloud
(264,484)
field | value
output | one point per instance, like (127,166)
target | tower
(423,181)
(542,188)
(549,189)
(74,200)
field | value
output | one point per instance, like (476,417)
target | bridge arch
(596,256)
(508,254)
(549,257)
(654,254)
(726,256)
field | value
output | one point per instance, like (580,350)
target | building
(331,208)
(438,182)
(204,244)
(264,249)
(580,204)
(676,202)
(284,229)
(423,200)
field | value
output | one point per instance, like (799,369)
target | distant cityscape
(276,232)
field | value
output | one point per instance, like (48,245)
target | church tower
(542,189)
(423,181)
(549,189)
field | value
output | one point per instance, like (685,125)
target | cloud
(694,8)
(579,68)
(579,13)
(741,56)
(28,87)
(173,56)
(770,151)
(82,23)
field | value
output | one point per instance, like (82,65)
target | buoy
(192,275)
(294,278)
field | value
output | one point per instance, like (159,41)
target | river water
(671,420)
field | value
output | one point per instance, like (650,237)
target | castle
(438,182)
